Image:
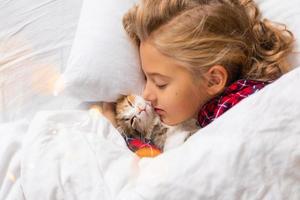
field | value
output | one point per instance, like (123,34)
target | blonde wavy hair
(203,33)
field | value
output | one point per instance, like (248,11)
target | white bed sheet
(35,40)
(260,160)
(79,155)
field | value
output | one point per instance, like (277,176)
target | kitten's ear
(121,98)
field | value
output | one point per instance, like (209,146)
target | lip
(158,111)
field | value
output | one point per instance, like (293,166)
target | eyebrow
(157,74)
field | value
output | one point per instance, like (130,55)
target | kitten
(135,117)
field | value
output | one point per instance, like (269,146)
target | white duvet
(250,152)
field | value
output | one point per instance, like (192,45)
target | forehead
(155,63)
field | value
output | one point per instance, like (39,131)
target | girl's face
(170,87)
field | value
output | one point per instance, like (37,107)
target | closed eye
(131,120)
(129,102)
(162,86)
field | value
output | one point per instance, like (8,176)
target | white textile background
(35,40)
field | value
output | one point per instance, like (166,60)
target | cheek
(182,103)
(186,106)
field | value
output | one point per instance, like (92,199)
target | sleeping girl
(201,57)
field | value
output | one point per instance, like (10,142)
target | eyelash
(161,86)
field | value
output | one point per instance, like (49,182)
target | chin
(169,122)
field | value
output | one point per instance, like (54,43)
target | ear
(216,78)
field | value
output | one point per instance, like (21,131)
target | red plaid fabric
(230,97)
(212,109)
(135,144)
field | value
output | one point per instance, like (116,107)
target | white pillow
(103,63)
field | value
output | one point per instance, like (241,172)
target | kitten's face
(134,112)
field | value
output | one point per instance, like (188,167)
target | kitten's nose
(141,109)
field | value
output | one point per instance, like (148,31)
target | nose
(148,95)
(141,109)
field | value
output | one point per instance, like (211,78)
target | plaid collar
(233,94)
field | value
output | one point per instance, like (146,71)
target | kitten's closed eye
(130,100)
(130,120)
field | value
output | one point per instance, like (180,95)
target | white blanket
(250,152)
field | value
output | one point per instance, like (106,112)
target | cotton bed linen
(35,41)
(250,152)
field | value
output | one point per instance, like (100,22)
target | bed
(35,40)
(51,147)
